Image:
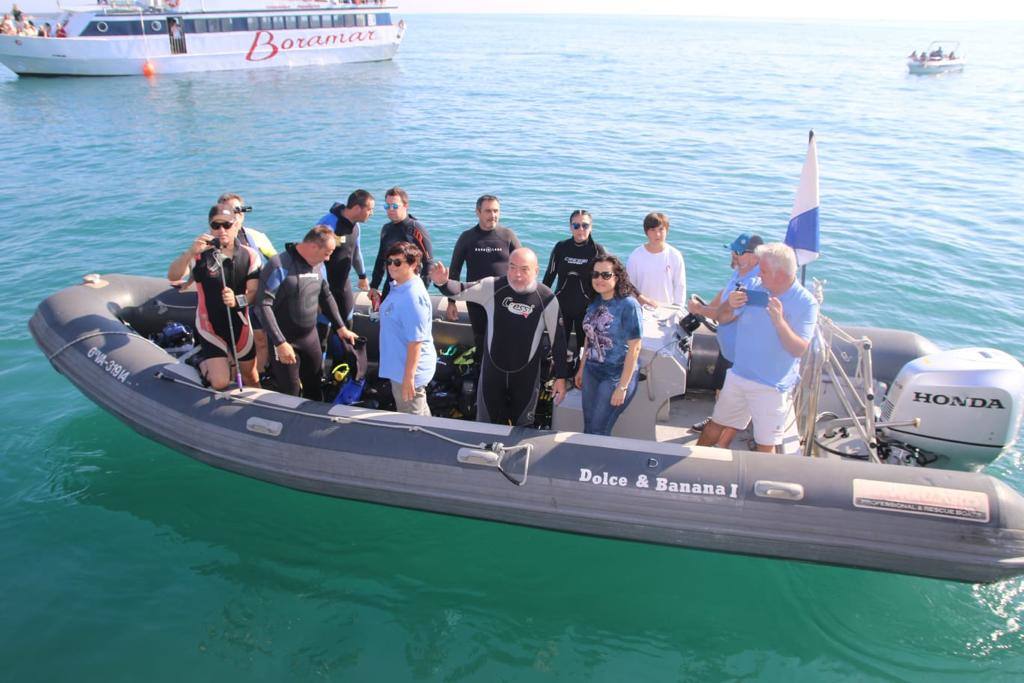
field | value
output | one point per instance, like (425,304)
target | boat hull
(934,67)
(950,525)
(128,56)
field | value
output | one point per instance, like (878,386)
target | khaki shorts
(418,404)
(741,400)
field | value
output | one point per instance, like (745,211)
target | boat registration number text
(115,369)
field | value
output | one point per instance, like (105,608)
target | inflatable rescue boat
(885,446)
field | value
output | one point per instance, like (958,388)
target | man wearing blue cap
(773,331)
(746,274)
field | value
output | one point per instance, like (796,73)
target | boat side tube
(951,525)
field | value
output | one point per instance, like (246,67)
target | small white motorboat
(942,56)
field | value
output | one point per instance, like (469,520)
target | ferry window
(252,23)
(102,26)
(360,20)
(314,21)
(384,19)
(325,20)
(289,22)
(350,20)
(225,25)
(265,23)
(302,21)
(371,19)
(279,22)
(339,20)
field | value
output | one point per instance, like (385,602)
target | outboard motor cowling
(969,402)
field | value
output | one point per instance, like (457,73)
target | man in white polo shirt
(771,338)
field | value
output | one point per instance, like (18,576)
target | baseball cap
(745,243)
(223,211)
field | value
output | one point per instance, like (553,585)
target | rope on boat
(498,448)
(90,335)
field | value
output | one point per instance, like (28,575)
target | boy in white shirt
(657,268)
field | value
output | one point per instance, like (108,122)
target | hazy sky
(871,10)
(880,10)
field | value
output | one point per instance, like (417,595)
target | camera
(214,242)
(243,209)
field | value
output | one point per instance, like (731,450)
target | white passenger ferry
(174,36)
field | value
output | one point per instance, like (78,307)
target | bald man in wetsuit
(520,312)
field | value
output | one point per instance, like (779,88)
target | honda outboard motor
(969,402)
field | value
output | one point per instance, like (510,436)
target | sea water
(123,560)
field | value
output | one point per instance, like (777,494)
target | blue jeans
(599,415)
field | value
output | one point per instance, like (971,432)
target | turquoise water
(123,560)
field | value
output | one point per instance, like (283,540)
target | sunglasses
(580,226)
(393,207)
(603,274)
(220,226)
(394,262)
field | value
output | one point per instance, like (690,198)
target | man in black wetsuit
(570,263)
(402,227)
(293,285)
(485,249)
(520,311)
(345,220)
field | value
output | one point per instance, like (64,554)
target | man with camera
(261,243)
(775,324)
(226,274)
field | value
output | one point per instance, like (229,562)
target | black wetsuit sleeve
(329,306)
(272,276)
(549,274)
(480,292)
(458,258)
(357,253)
(515,243)
(378,264)
(556,336)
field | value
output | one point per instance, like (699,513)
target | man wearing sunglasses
(401,227)
(225,272)
(520,313)
(484,249)
(745,275)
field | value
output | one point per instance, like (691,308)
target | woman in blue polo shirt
(407,355)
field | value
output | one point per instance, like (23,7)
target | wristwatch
(241,301)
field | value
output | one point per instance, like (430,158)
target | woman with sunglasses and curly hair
(612,326)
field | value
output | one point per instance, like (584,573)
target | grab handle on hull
(779,490)
(495,455)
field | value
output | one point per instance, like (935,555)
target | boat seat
(664,377)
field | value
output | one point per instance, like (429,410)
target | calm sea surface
(122,560)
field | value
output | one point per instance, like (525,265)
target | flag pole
(803,268)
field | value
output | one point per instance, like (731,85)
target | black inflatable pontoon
(952,525)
